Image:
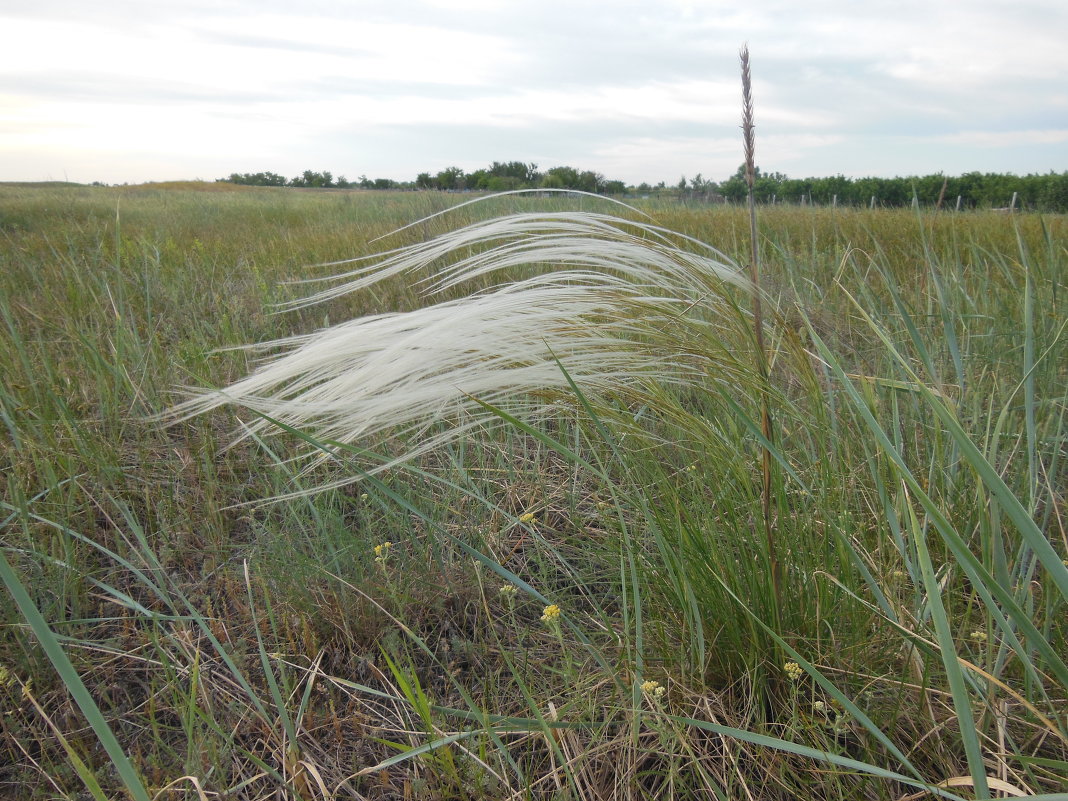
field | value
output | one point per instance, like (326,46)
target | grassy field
(575,599)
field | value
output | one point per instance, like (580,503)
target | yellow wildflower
(526,518)
(382,552)
(793,670)
(653,689)
(550,613)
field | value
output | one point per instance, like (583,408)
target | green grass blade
(828,757)
(72,681)
(280,705)
(944,635)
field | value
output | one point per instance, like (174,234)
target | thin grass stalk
(749,140)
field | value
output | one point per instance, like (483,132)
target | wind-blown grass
(619,318)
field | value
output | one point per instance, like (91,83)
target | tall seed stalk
(749,140)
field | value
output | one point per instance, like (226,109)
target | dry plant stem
(942,193)
(749,139)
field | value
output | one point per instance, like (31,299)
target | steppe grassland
(195,630)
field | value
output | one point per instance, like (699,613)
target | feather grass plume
(619,307)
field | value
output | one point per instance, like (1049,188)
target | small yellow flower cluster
(832,716)
(550,614)
(653,689)
(382,552)
(527,518)
(979,636)
(508,593)
(793,671)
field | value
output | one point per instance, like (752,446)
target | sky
(136,90)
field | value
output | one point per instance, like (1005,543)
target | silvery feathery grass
(614,316)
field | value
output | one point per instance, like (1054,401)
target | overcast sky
(136,90)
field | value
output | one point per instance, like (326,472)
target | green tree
(1053,192)
(310,178)
(592,182)
(504,183)
(255,179)
(552,181)
(523,174)
(479,179)
(568,177)
(735,189)
(450,178)
(768,186)
(825,190)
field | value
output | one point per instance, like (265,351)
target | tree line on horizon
(1040,192)
(498,177)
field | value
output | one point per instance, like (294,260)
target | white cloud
(637,88)
(1007,138)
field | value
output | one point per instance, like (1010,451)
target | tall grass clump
(518,538)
